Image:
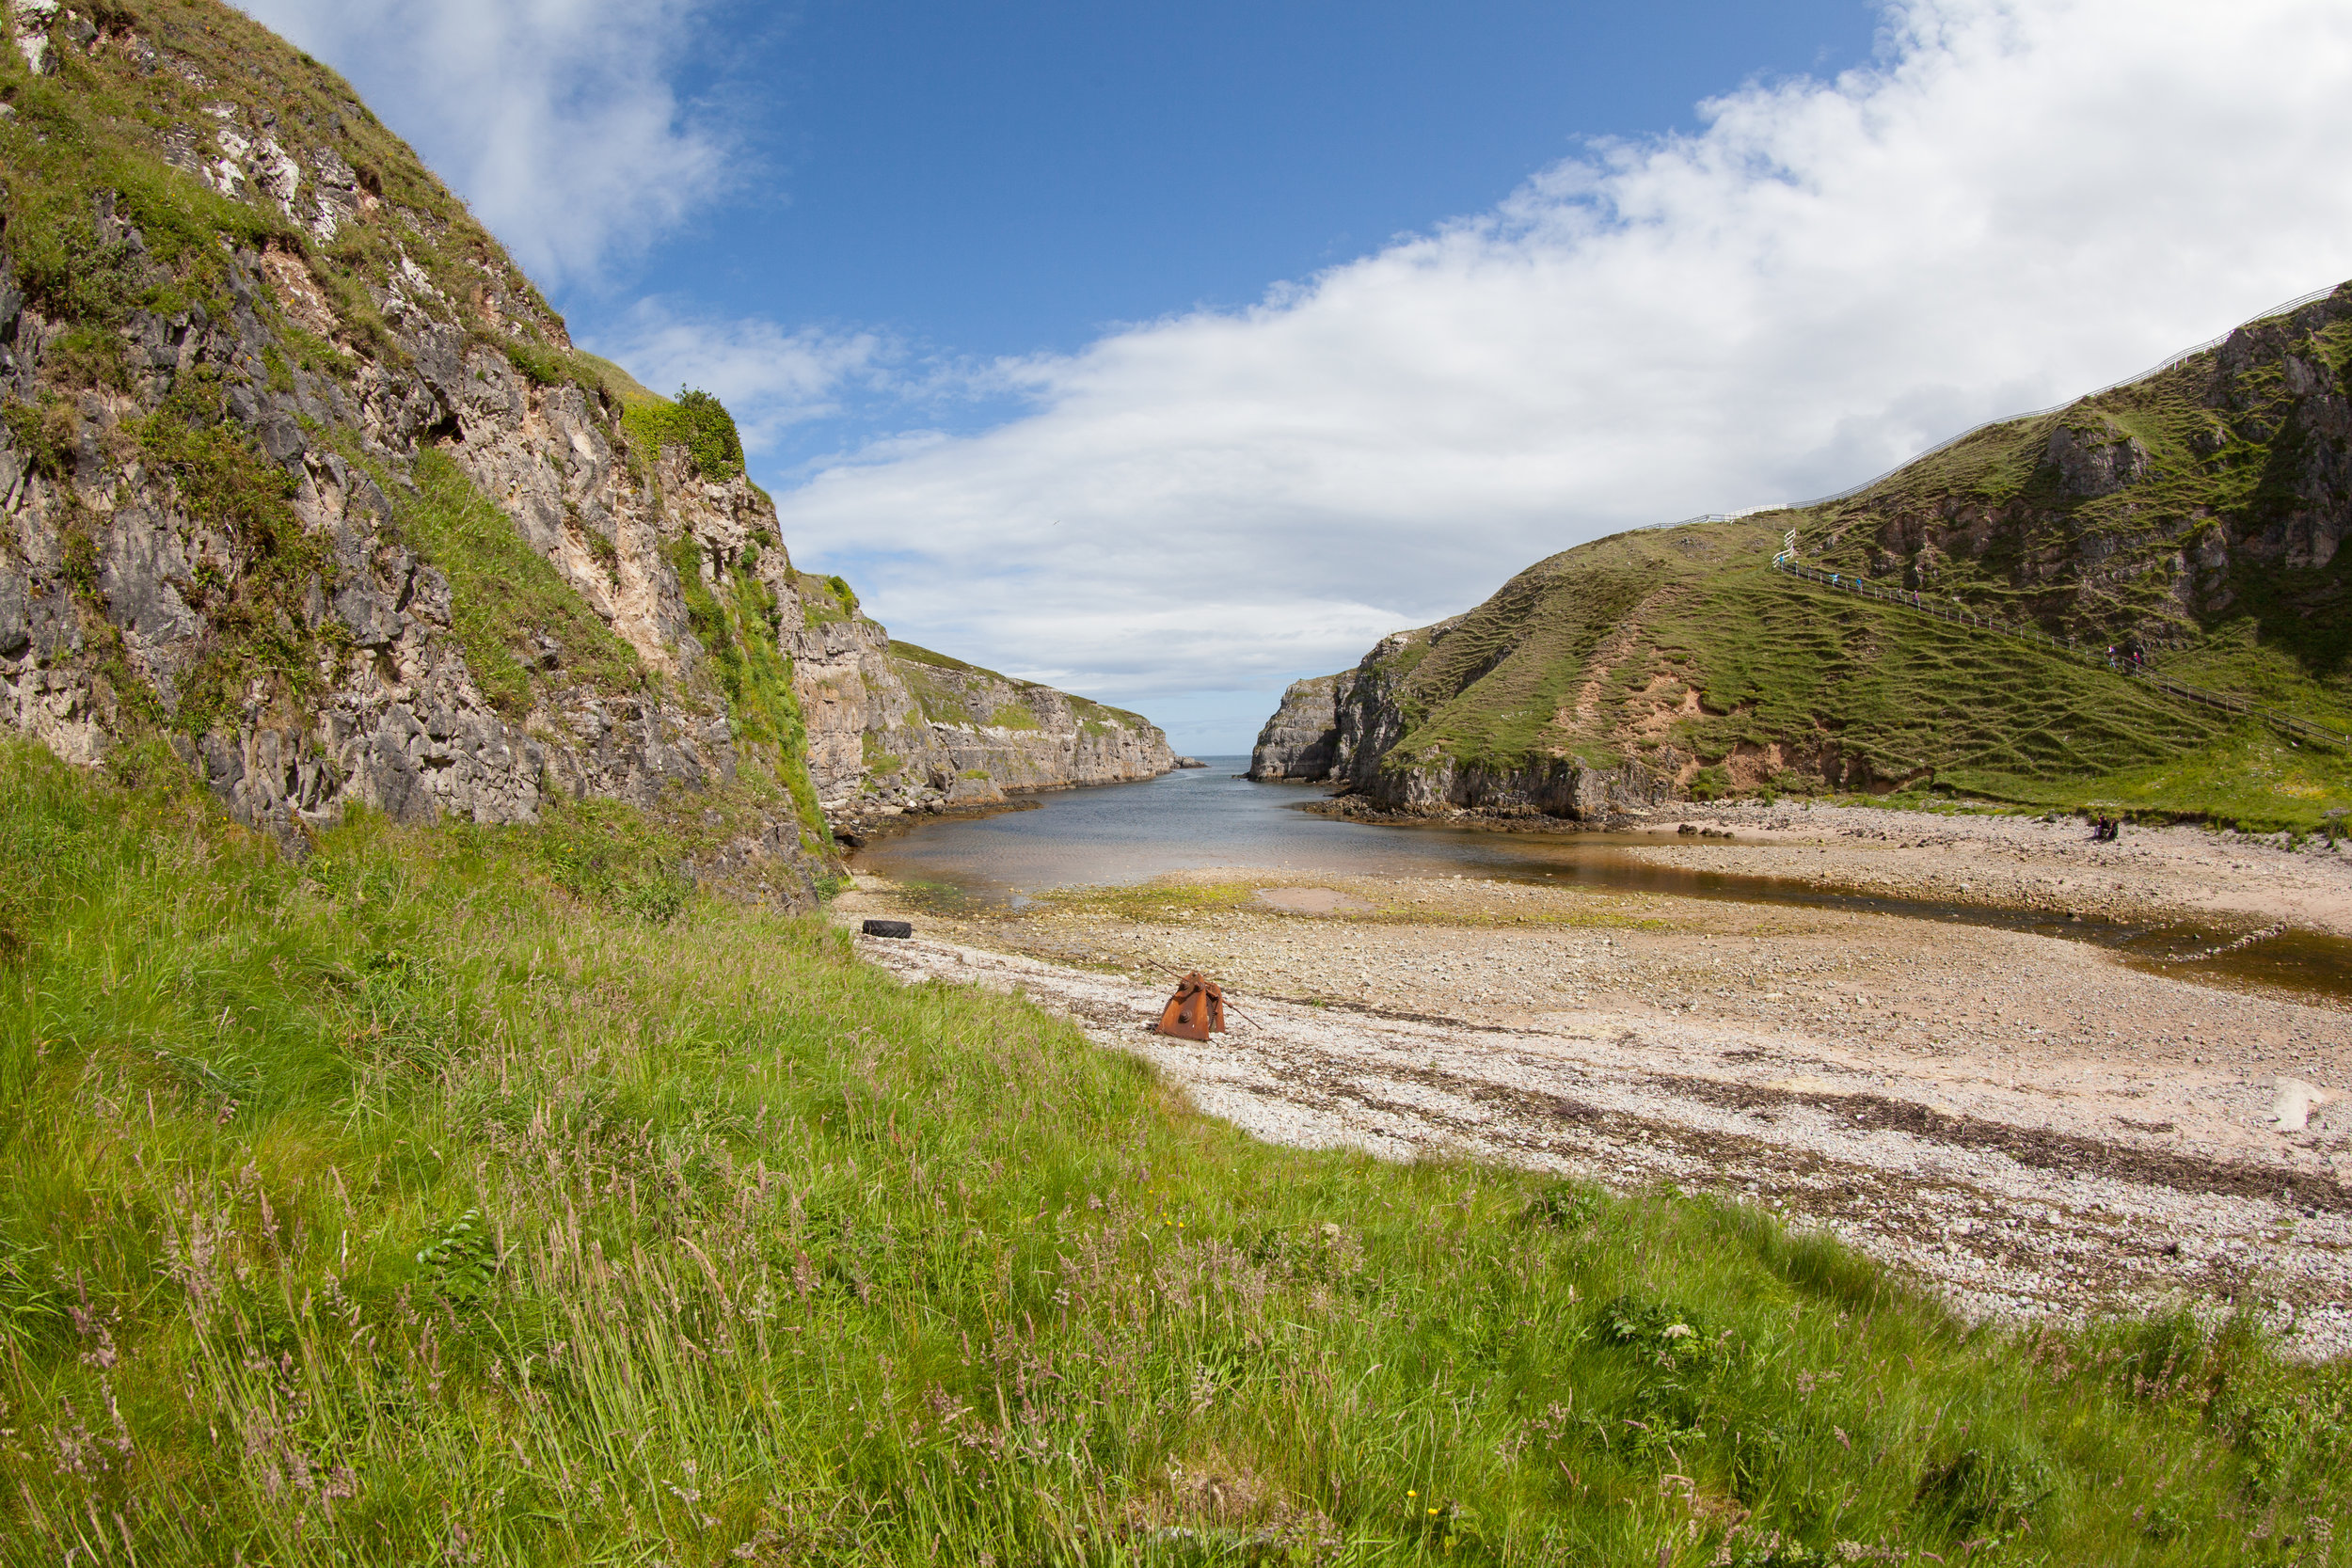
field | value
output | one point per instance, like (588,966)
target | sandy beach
(2031,1126)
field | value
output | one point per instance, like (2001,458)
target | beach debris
(1197,1010)
(888,929)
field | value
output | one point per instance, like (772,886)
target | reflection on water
(1204,818)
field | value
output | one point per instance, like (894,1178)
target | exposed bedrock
(895,730)
(1298,742)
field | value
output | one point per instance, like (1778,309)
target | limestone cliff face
(301,478)
(1297,742)
(128,584)
(897,730)
(1560,789)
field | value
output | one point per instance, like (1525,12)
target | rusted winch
(1196,1010)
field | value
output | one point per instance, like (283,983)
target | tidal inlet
(1362,995)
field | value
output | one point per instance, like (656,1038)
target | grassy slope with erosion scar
(471,1192)
(2202,510)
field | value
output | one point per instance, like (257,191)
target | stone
(2293,1101)
(16,626)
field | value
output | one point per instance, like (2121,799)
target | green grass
(2108,567)
(1102,718)
(1560,662)
(98,126)
(503,593)
(909,653)
(623,388)
(824,600)
(1569,658)
(737,620)
(404,1203)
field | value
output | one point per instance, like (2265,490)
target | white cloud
(2017,202)
(770,379)
(555,118)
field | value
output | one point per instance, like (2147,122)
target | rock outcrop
(1345,729)
(2220,486)
(301,479)
(896,730)
(1297,742)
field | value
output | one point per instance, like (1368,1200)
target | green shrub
(694,420)
(1712,783)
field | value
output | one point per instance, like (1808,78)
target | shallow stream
(1199,819)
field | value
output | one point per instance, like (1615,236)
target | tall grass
(396,1207)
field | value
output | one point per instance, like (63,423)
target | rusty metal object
(1197,1010)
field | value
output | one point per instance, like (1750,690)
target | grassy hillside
(108,126)
(943,701)
(456,1195)
(1686,639)
(2206,505)
(2201,511)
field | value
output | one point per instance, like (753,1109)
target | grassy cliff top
(206,135)
(132,115)
(912,657)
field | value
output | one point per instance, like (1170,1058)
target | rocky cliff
(897,730)
(2199,513)
(1297,742)
(301,480)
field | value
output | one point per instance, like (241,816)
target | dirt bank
(2025,1123)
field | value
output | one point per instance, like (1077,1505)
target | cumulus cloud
(2018,200)
(556,119)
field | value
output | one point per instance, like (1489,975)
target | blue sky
(1350,311)
(1004,179)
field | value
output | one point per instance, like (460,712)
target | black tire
(888,929)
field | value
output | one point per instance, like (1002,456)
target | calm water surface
(1116,834)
